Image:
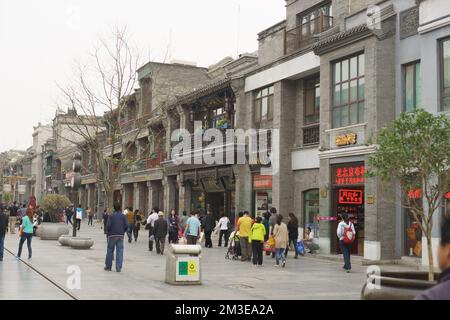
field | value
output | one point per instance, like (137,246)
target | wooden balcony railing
(302,36)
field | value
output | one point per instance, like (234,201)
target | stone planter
(81,243)
(52,231)
(64,240)
(397,286)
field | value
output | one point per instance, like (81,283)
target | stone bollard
(81,243)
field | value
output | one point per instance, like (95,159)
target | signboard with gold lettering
(346,139)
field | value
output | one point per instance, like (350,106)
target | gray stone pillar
(185,194)
(135,196)
(283,139)
(244,194)
(169,194)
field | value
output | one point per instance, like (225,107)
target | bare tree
(98,96)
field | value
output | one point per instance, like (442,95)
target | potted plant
(54,204)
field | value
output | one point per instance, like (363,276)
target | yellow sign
(346,139)
(192,268)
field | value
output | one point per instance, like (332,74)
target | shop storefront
(348,197)
(412,232)
(262,188)
(218,195)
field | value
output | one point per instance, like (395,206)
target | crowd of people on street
(248,237)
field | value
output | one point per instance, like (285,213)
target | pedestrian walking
(224,226)
(281,236)
(13,218)
(292,227)
(244,226)
(137,224)
(173,227)
(442,290)
(79,216)
(105,221)
(160,230)
(90,215)
(257,234)
(183,221)
(272,222)
(149,226)
(193,227)
(130,219)
(116,227)
(208,224)
(346,234)
(69,215)
(3,227)
(26,233)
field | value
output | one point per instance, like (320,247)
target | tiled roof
(340,36)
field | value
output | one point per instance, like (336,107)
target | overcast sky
(40,40)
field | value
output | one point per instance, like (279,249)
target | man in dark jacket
(160,230)
(3,227)
(442,290)
(116,227)
(209,223)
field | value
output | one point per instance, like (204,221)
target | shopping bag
(300,248)
(269,245)
(182,240)
(201,238)
(20,231)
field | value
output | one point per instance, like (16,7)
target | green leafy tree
(8,197)
(54,204)
(414,150)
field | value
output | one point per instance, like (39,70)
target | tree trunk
(110,199)
(430,258)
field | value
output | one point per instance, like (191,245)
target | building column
(169,193)
(282,142)
(124,196)
(135,196)
(244,194)
(185,195)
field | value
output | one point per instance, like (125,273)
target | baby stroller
(234,249)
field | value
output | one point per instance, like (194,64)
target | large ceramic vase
(52,231)
(396,285)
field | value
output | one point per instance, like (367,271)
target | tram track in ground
(45,277)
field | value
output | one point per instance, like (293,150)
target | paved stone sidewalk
(143,275)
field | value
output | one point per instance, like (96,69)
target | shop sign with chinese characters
(349,175)
(350,196)
(346,139)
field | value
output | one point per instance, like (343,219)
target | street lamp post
(75,184)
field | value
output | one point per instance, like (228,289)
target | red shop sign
(349,175)
(262,182)
(415,194)
(350,196)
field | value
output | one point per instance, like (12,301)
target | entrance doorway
(347,196)
(350,201)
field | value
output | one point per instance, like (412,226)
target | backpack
(349,235)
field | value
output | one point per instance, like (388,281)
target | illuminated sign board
(350,196)
(415,194)
(349,175)
(262,182)
(346,139)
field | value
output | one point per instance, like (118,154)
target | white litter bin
(183,265)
